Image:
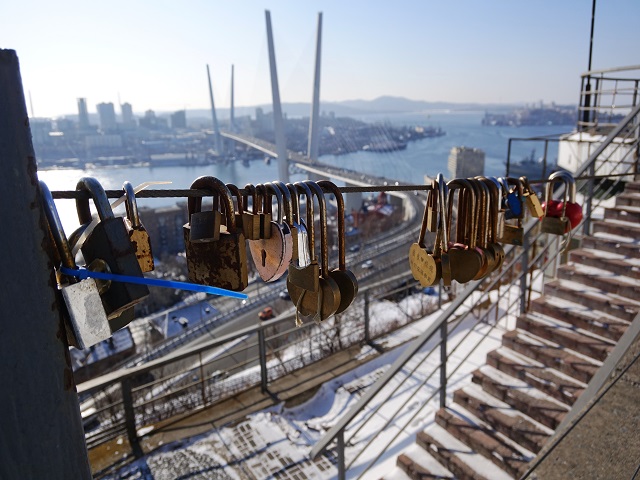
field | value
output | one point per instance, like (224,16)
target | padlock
(442,237)
(508,232)
(265,216)
(204,226)
(137,233)
(531,199)
(223,262)
(86,320)
(302,259)
(109,241)
(467,258)
(424,265)
(561,217)
(325,301)
(307,277)
(271,256)
(496,252)
(288,223)
(251,220)
(238,212)
(346,280)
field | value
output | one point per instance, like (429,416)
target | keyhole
(264,258)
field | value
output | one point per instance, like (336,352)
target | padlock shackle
(342,255)
(235,192)
(493,199)
(304,188)
(251,190)
(55,227)
(430,205)
(324,244)
(569,193)
(131,205)
(295,203)
(443,192)
(287,202)
(273,189)
(218,190)
(100,200)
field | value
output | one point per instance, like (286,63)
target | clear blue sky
(153,53)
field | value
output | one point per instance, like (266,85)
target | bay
(428,156)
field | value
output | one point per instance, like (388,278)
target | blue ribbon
(83,273)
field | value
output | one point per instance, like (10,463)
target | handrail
(610,70)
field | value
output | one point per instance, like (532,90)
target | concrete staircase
(498,423)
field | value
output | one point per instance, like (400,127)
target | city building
(83,114)
(107,115)
(179,119)
(127,115)
(466,162)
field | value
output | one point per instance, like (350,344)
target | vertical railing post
(42,434)
(202,380)
(262,354)
(586,227)
(130,417)
(367,333)
(443,363)
(342,469)
(524,274)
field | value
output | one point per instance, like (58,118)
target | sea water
(428,156)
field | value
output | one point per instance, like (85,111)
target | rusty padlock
(109,242)
(137,233)
(222,262)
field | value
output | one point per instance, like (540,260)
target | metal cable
(187,192)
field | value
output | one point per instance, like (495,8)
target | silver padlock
(87,322)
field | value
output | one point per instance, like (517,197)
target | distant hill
(384,104)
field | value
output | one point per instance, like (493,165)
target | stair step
(632,187)
(613,227)
(485,441)
(614,245)
(622,308)
(623,213)
(600,279)
(593,321)
(520,396)
(589,345)
(417,465)
(573,364)
(502,418)
(556,384)
(619,265)
(458,458)
(628,198)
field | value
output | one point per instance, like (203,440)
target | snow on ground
(275,443)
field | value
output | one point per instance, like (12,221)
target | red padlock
(561,216)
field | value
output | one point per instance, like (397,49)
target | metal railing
(606,96)
(366,434)
(130,401)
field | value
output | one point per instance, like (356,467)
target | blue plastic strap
(83,273)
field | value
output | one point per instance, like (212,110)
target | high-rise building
(466,162)
(127,114)
(107,115)
(179,119)
(83,114)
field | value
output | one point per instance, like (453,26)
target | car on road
(367,265)
(266,314)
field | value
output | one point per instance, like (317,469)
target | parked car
(266,314)
(284,295)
